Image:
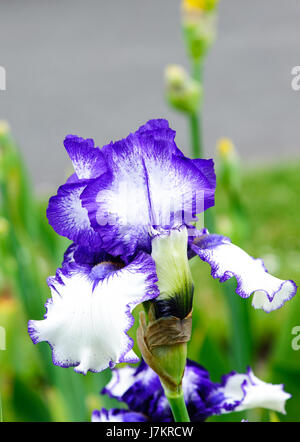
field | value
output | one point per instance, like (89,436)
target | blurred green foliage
(32,389)
(270,198)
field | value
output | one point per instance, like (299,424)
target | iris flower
(121,200)
(140,389)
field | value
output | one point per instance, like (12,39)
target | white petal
(261,301)
(251,392)
(121,381)
(227,260)
(85,325)
(116,415)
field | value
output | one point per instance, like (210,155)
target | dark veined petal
(136,386)
(140,388)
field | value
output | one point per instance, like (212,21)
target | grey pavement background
(95,68)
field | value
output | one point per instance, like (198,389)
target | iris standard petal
(88,160)
(89,314)
(228,260)
(68,218)
(149,183)
(65,212)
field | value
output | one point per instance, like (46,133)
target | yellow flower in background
(229,164)
(199,5)
(4,127)
(225,147)
(193,4)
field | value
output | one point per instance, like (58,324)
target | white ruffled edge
(86,325)
(228,260)
(246,391)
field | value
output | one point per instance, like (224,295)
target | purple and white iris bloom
(119,193)
(140,389)
(89,313)
(118,196)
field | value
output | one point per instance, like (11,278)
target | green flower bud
(182,92)
(199,26)
(175,283)
(199,34)
(163,339)
(163,344)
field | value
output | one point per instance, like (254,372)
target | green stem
(196,136)
(195,119)
(198,70)
(178,408)
(240,326)
(1,414)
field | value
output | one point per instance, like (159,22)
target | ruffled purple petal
(141,390)
(88,160)
(108,203)
(206,167)
(136,386)
(82,256)
(68,218)
(148,184)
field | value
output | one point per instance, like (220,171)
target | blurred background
(96,69)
